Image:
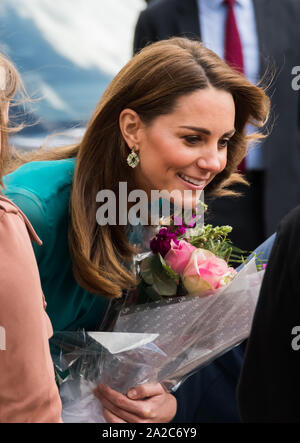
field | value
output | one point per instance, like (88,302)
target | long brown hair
(150,84)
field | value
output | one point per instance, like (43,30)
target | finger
(145,391)
(110,417)
(115,401)
(144,415)
(130,410)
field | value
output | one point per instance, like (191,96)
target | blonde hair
(10,83)
(150,84)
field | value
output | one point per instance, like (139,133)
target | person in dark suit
(163,19)
(269,389)
(275,174)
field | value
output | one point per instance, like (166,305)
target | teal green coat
(42,192)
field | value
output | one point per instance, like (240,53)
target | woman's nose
(210,160)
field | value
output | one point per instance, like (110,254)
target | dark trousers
(244,214)
(209,396)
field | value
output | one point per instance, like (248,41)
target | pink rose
(179,255)
(205,273)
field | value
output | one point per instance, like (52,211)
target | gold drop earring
(133,159)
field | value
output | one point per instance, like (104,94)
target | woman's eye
(224,143)
(192,139)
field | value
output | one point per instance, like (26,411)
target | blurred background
(67,52)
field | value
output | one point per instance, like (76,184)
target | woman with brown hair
(181,112)
(28,392)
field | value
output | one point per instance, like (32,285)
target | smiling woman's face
(186,149)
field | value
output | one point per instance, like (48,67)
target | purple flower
(179,230)
(161,243)
(178,222)
(196,219)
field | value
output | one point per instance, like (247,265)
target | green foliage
(169,270)
(215,240)
(159,276)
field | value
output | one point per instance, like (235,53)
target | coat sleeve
(269,390)
(28,392)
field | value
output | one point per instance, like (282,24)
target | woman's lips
(191,185)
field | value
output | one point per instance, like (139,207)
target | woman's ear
(131,127)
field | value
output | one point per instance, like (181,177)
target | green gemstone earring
(133,159)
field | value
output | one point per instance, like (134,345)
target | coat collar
(9,207)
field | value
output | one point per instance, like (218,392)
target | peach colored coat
(28,392)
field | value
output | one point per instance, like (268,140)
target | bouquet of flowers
(189,307)
(186,259)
